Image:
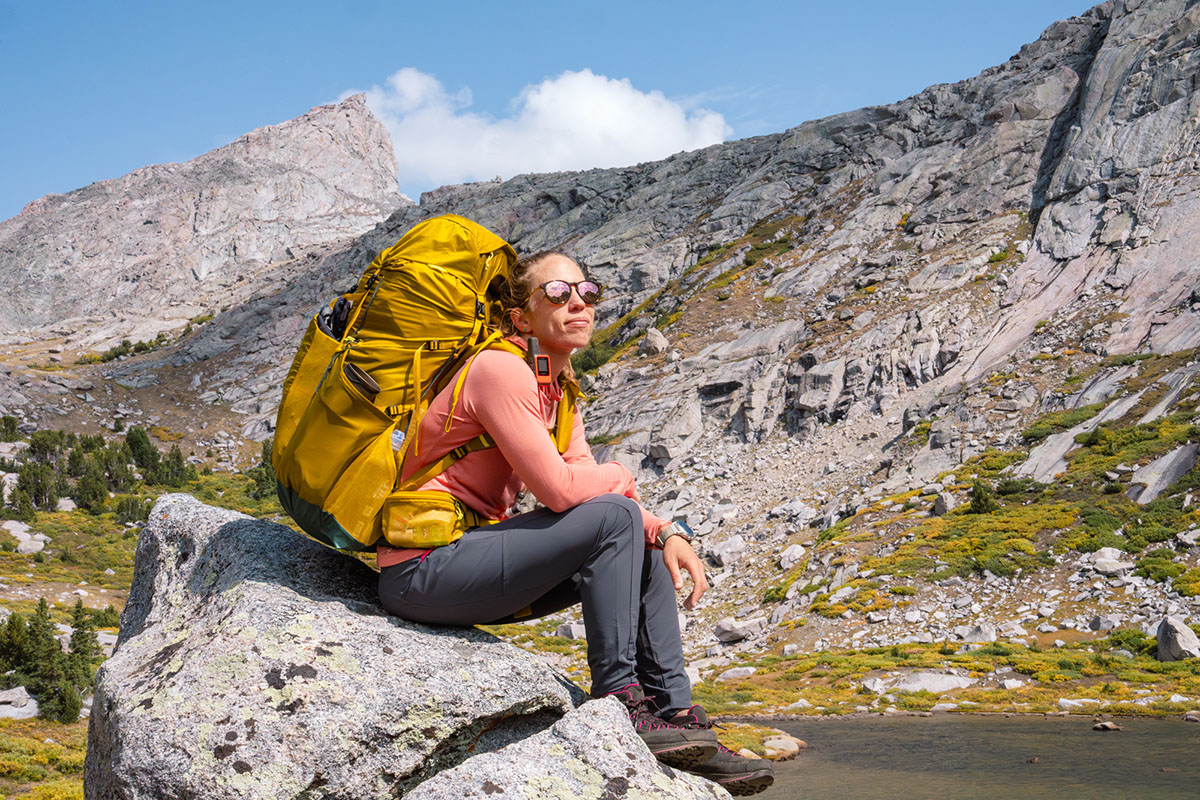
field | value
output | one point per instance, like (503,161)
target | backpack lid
(456,244)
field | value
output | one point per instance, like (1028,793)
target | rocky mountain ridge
(142,253)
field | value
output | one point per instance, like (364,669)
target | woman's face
(560,328)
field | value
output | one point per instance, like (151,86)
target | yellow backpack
(368,367)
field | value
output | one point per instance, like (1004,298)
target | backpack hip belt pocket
(427,518)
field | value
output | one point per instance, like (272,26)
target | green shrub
(1158,565)
(1011,486)
(592,357)
(982,499)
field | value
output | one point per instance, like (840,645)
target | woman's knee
(620,517)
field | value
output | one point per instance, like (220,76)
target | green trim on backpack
(319,524)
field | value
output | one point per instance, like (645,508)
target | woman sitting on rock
(591,543)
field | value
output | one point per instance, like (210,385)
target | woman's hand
(678,555)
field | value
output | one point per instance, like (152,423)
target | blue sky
(92,90)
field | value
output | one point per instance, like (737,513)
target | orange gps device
(540,363)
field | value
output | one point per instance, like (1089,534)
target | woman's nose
(575,301)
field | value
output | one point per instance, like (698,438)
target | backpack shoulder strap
(561,435)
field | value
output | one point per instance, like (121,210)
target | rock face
(205,229)
(591,752)
(1176,641)
(1151,480)
(253,662)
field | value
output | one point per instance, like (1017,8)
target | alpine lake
(988,757)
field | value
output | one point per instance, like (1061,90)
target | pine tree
(61,703)
(38,480)
(115,458)
(47,661)
(144,453)
(982,499)
(75,461)
(21,506)
(263,475)
(174,471)
(90,491)
(83,650)
(14,644)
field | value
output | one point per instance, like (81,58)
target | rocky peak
(200,232)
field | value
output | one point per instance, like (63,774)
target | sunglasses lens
(590,292)
(557,291)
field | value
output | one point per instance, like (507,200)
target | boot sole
(686,756)
(745,785)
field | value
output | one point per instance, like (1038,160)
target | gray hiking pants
(538,563)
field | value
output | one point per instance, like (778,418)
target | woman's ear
(518,320)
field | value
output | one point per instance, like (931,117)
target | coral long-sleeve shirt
(501,397)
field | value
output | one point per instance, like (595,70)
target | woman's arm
(580,452)
(502,394)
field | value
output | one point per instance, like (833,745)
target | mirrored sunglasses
(559,292)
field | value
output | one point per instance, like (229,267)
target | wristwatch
(676,528)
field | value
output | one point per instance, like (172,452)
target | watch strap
(676,528)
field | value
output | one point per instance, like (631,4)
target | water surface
(955,757)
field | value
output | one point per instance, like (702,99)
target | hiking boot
(673,745)
(739,775)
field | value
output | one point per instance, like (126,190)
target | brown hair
(514,293)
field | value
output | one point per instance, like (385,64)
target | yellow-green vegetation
(1119,360)
(991,462)
(1106,447)
(1010,538)
(600,439)
(1077,378)
(42,760)
(831,681)
(738,736)
(724,279)
(538,636)
(1060,421)
(920,431)
(237,491)
(865,599)
(779,591)
(81,548)
(766,250)
(714,254)
(164,434)
(125,348)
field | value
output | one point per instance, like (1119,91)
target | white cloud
(577,120)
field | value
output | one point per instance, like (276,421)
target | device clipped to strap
(539,362)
